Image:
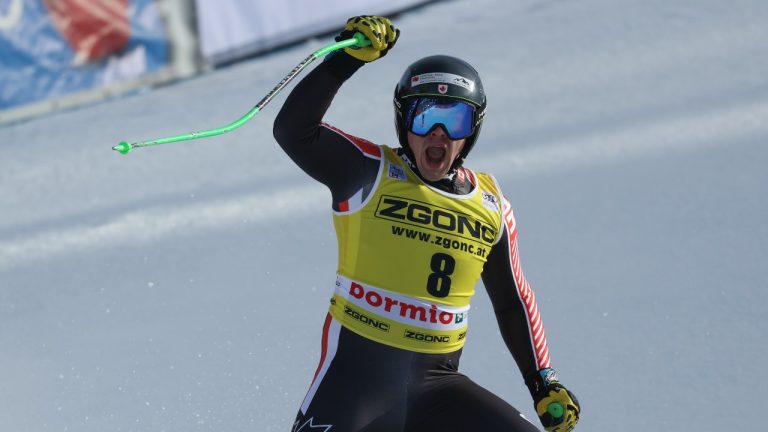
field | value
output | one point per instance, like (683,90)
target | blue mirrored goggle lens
(456,117)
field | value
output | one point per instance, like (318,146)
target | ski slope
(183,287)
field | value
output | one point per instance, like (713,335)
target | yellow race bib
(410,256)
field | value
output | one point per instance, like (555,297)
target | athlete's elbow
(281,129)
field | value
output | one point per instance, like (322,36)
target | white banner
(230,29)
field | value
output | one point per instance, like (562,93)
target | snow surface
(183,287)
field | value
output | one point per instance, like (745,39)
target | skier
(416,230)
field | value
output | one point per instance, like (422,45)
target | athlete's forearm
(321,152)
(304,108)
(515,306)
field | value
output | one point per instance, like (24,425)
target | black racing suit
(369,386)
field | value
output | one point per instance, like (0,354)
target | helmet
(440,76)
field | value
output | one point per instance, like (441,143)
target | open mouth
(435,155)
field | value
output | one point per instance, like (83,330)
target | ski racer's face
(435,152)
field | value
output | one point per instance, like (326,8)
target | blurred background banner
(53,48)
(231,29)
(57,54)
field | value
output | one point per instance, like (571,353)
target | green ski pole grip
(360,39)
(555,409)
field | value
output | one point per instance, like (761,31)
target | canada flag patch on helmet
(443,78)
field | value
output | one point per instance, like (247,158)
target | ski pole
(124,147)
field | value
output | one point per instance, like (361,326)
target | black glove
(557,408)
(378,30)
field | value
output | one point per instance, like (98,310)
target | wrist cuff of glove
(540,381)
(342,65)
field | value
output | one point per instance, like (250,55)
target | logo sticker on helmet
(442,88)
(443,77)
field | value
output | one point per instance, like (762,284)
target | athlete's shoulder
(486,182)
(368,148)
(493,197)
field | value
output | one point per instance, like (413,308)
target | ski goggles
(456,117)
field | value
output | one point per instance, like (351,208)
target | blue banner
(50,48)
